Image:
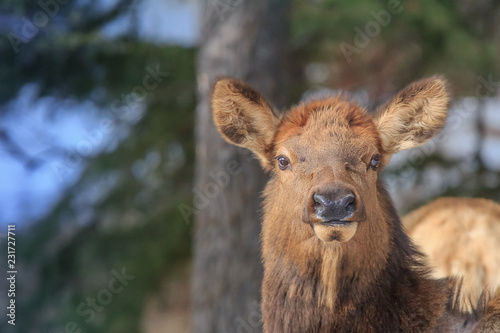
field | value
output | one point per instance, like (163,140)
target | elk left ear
(414,116)
(244,118)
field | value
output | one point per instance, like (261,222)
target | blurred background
(131,214)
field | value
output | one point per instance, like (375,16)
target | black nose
(335,205)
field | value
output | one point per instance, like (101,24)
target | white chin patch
(335,233)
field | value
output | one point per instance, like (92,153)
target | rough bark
(246,40)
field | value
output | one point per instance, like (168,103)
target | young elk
(460,237)
(335,256)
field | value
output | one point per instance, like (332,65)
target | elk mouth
(335,231)
(336,223)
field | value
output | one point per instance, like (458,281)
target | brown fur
(461,237)
(373,282)
(490,323)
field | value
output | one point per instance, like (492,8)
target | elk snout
(335,204)
(334,211)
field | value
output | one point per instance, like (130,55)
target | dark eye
(375,162)
(283,162)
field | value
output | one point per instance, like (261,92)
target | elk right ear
(414,116)
(244,118)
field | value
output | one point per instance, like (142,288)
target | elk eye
(375,162)
(283,162)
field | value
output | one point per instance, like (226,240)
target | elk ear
(244,118)
(414,116)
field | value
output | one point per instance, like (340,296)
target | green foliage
(421,38)
(52,52)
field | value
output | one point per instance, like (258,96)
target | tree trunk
(245,40)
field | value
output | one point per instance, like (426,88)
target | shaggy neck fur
(373,283)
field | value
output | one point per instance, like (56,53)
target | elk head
(325,156)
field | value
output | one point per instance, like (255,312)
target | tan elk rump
(460,237)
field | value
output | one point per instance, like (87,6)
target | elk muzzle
(334,211)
